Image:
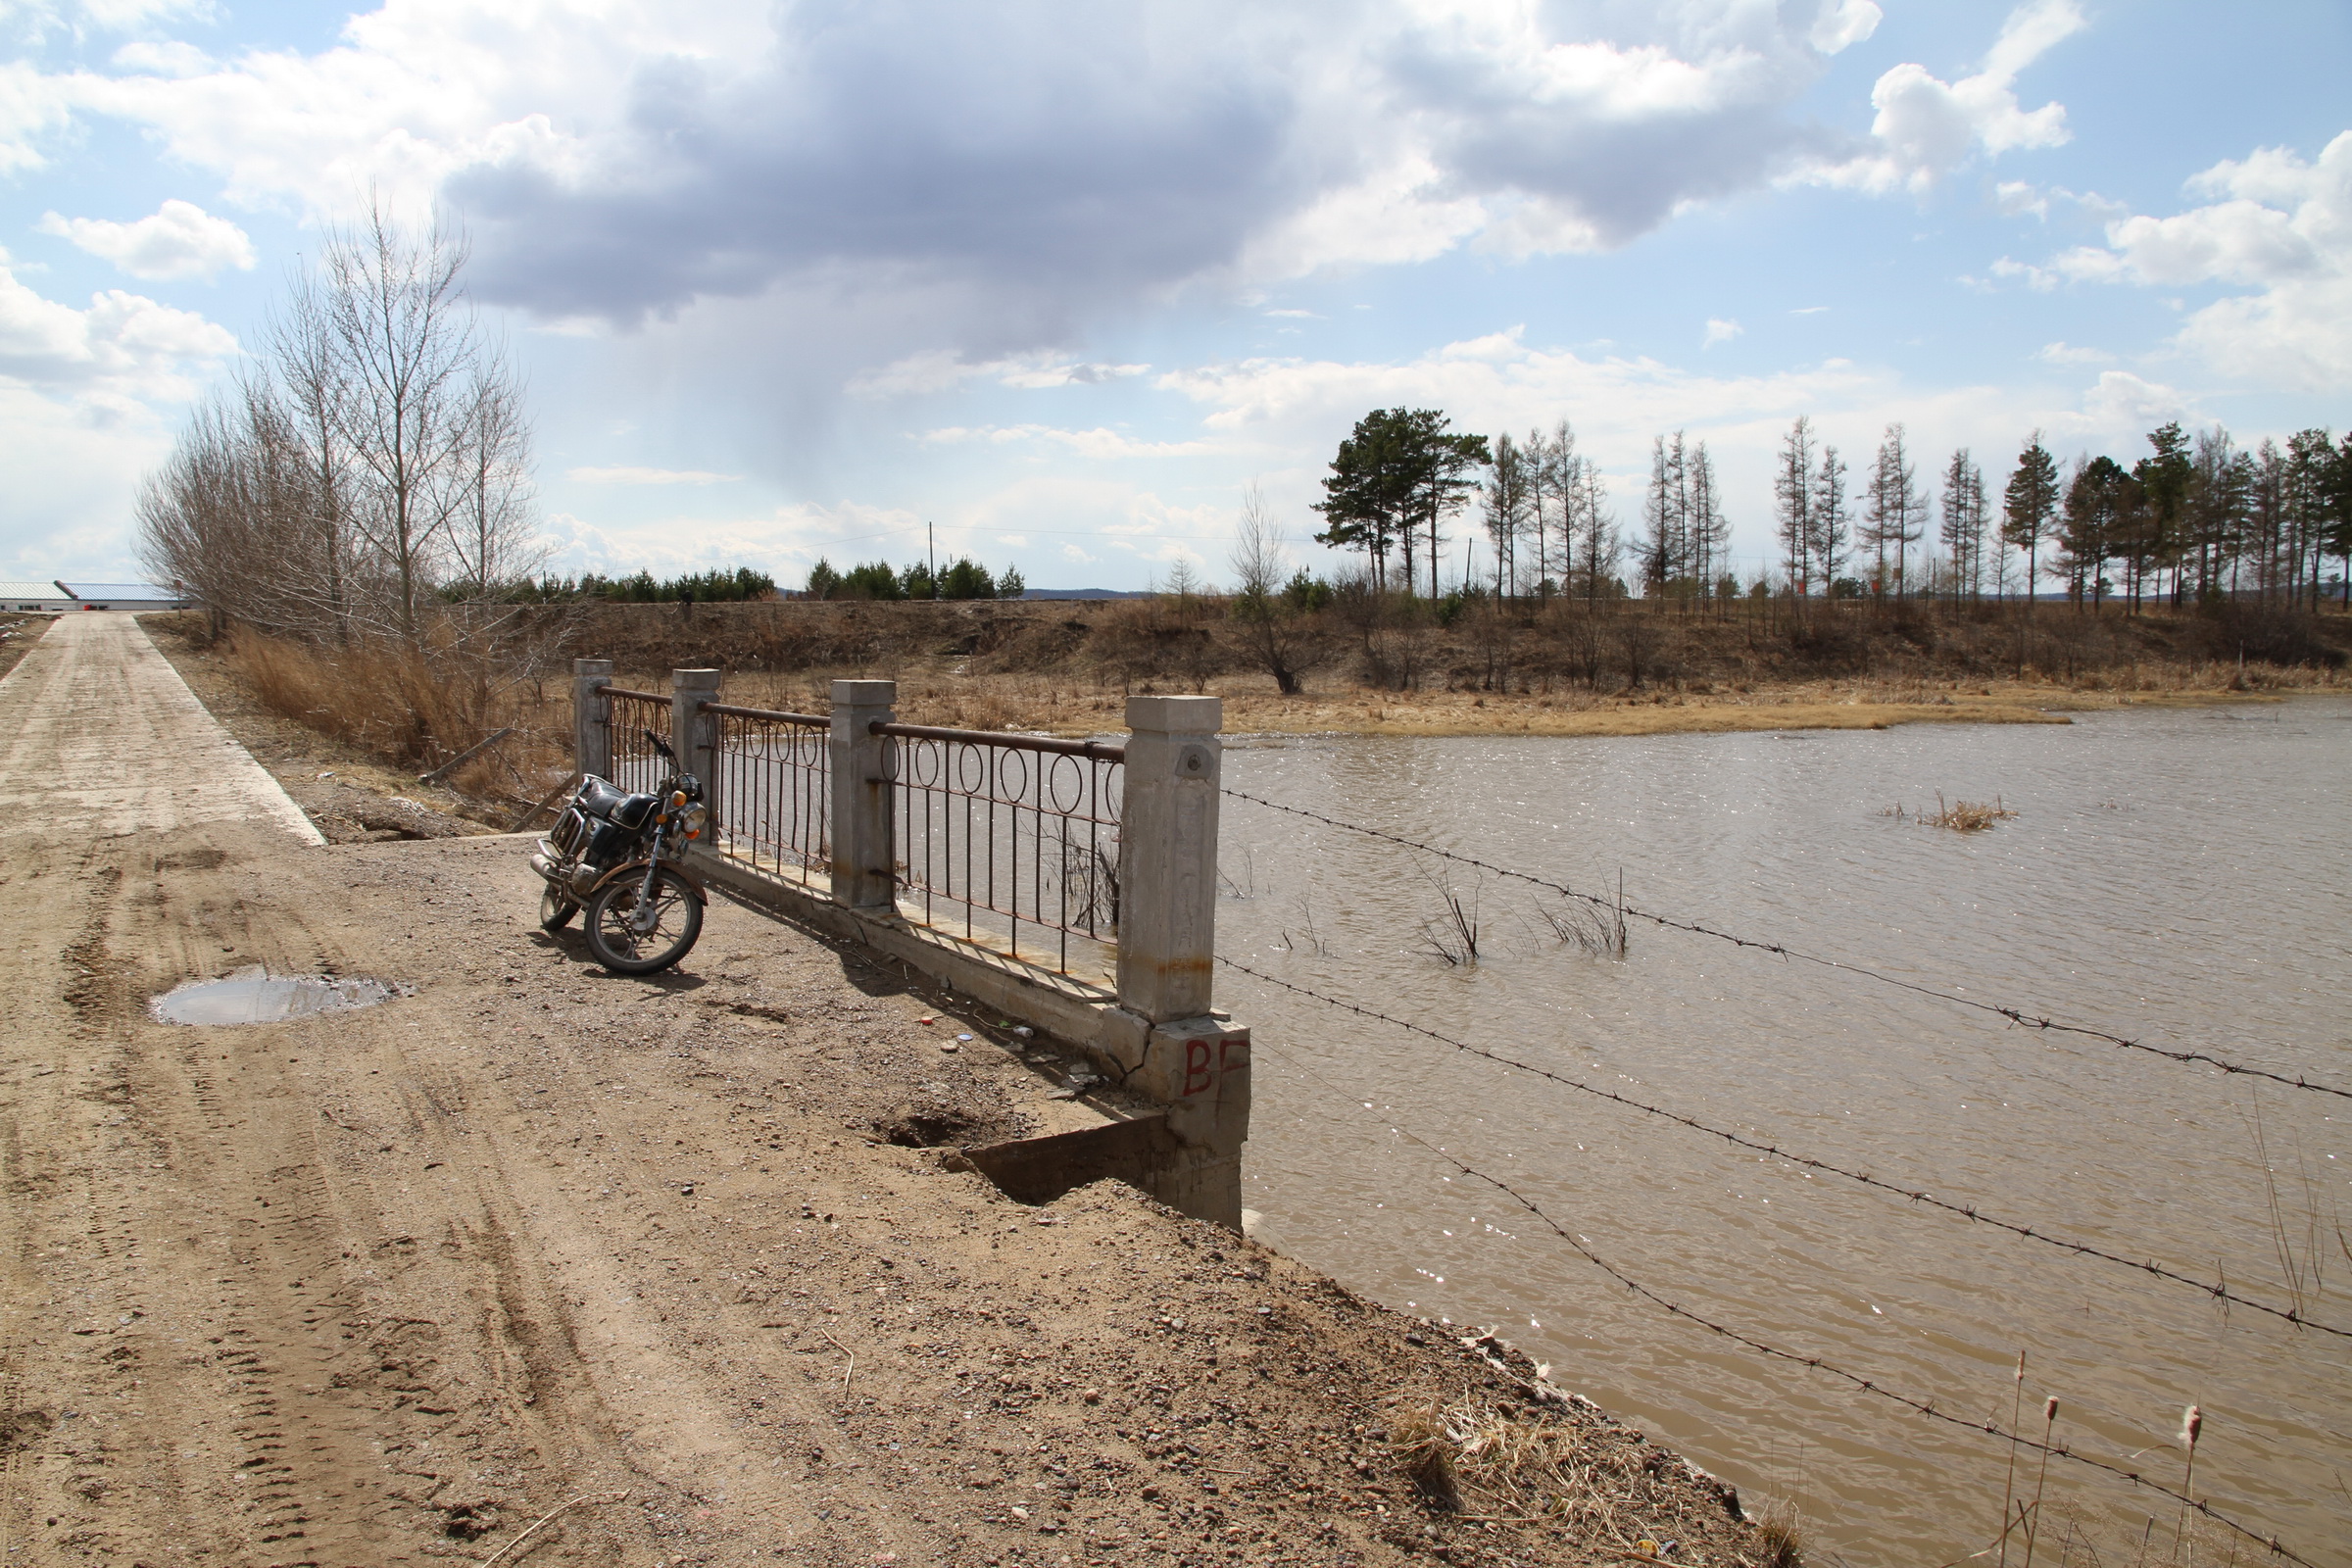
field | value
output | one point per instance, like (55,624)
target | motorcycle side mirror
(661,745)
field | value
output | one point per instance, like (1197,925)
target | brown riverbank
(1024,704)
(530,1259)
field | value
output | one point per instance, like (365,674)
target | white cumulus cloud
(123,345)
(1003,170)
(1925,127)
(2281,231)
(179,239)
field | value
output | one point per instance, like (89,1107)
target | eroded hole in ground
(256,996)
(935,1124)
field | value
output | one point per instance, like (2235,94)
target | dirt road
(391,1286)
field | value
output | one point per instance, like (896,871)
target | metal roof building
(57,597)
(43,598)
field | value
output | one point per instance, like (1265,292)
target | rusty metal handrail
(1017,833)
(772,715)
(635,764)
(1097,750)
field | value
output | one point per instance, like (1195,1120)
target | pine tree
(2029,504)
(1831,516)
(1894,512)
(1964,519)
(1792,505)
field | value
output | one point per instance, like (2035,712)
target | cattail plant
(2049,1422)
(2017,1407)
(2192,1422)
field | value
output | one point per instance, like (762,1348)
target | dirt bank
(390,1286)
(17,633)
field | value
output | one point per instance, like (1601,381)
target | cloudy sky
(1063,280)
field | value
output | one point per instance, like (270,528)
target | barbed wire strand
(2016,1016)
(1764,1347)
(2218,1291)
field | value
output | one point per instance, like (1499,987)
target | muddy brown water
(256,996)
(2180,875)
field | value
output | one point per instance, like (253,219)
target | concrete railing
(1148,1020)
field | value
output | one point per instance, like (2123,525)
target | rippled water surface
(2182,875)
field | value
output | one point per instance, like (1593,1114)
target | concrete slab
(99,737)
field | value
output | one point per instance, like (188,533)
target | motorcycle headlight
(693,820)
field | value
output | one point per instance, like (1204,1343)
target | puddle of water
(256,996)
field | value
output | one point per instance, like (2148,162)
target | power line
(2218,1292)
(2015,1015)
(1869,1386)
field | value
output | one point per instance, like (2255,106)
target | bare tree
(408,345)
(375,458)
(1277,626)
(1894,511)
(1793,505)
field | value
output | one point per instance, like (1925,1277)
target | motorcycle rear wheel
(555,908)
(615,944)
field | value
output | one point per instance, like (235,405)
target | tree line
(2196,517)
(961,578)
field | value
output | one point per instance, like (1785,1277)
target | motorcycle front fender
(636,868)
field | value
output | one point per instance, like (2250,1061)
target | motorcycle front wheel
(556,909)
(627,944)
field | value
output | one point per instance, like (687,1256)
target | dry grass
(408,707)
(1595,1482)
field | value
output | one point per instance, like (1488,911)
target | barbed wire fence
(2017,1017)
(2041,1235)
(1873,1387)
(2218,1291)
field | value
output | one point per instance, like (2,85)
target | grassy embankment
(1063,668)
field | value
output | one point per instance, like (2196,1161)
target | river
(2180,875)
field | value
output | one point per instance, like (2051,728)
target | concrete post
(1168,857)
(1191,1061)
(865,856)
(694,734)
(591,717)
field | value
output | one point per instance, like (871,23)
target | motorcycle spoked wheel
(618,946)
(555,908)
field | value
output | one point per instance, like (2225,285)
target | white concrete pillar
(865,856)
(1168,857)
(694,734)
(591,717)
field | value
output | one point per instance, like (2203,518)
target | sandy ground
(390,1286)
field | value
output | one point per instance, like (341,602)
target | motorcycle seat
(601,799)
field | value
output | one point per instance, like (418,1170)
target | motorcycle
(617,856)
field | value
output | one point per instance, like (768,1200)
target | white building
(59,597)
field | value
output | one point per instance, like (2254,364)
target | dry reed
(404,704)
(1488,1461)
(1961,816)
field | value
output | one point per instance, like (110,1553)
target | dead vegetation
(1960,816)
(1597,1483)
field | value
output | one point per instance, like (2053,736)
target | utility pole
(931,554)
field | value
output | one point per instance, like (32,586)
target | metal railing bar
(1099,750)
(773,715)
